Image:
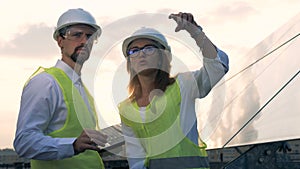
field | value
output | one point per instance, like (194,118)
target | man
(57,119)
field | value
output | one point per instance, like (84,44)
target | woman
(159,119)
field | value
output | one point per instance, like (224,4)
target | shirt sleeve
(39,103)
(134,151)
(212,71)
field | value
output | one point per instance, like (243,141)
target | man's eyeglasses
(78,35)
(147,50)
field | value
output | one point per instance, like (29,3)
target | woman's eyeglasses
(147,50)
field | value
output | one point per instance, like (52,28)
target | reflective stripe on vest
(160,134)
(179,163)
(72,127)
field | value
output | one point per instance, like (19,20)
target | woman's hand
(185,21)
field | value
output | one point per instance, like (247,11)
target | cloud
(166,11)
(36,41)
(231,12)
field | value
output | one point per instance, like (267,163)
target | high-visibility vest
(73,126)
(160,134)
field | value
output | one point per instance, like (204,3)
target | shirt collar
(68,70)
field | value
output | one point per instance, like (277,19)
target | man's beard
(80,57)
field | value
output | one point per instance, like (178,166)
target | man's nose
(85,37)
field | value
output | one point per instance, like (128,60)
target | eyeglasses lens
(147,50)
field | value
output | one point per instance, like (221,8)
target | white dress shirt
(42,111)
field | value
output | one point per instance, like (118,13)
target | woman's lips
(142,62)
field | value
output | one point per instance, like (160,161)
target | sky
(26,42)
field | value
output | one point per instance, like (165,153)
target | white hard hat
(148,33)
(75,16)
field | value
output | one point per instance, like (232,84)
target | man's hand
(185,21)
(89,140)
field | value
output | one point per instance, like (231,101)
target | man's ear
(60,41)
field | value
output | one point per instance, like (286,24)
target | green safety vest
(160,134)
(75,122)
